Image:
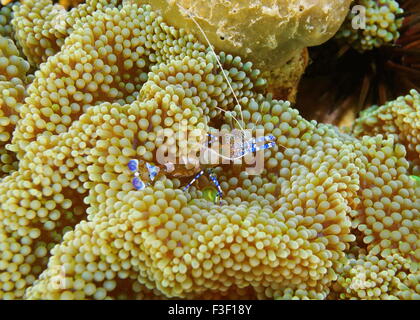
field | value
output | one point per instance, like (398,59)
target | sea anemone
(72,226)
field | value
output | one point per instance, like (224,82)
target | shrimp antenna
(189,14)
(218,62)
(234,118)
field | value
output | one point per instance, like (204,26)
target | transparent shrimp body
(239,148)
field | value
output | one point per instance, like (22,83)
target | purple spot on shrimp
(153,171)
(138,184)
(133,165)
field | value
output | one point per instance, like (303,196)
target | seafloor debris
(73,227)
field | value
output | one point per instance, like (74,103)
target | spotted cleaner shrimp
(243,144)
